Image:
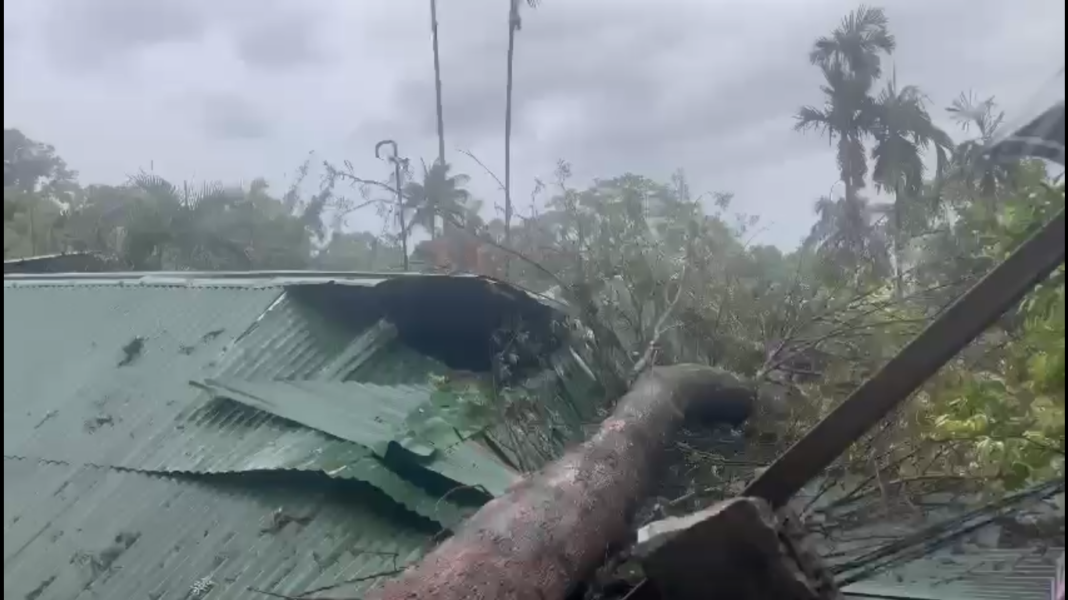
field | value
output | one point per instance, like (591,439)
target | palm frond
(515,17)
(155,186)
(856,45)
(969,111)
(811,118)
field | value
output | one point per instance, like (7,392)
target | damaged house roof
(191,435)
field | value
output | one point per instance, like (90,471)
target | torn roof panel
(370,415)
(109,383)
(374,417)
(86,532)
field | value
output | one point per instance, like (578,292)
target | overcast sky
(234,89)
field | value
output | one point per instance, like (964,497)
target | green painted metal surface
(980,575)
(80,533)
(397,364)
(966,553)
(100,374)
(370,415)
(567,399)
(375,417)
(126,480)
(96,374)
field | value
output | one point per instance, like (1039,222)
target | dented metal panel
(109,383)
(76,533)
(376,417)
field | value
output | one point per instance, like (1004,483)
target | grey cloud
(86,34)
(266,33)
(710,87)
(231,117)
(640,87)
(611,85)
(280,41)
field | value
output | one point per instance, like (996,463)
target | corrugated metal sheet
(94,373)
(79,533)
(972,562)
(370,415)
(397,364)
(254,279)
(554,410)
(567,398)
(374,417)
(292,343)
(990,574)
(110,382)
(124,480)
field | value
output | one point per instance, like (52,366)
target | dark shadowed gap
(456,320)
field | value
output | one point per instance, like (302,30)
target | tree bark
(554,528)
(400,210)
(899,251)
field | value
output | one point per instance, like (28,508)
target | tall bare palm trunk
(513,26)
(437,81)
(899,246)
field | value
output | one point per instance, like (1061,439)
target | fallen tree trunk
(554,528)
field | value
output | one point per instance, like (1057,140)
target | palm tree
(846,234)
(209,227)
(439,194)
(180,227)
(846,116)
(515,23)
(437,80)
(851,61)
(856,46)
(988,178)
(903,130)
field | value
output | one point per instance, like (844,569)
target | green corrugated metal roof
(94,404)
(965,559)
(81,533)
(375,417)
(72,393)
(987,574)
(397,364)
(116,460)
(253,279)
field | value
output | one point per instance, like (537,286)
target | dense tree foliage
(660,275)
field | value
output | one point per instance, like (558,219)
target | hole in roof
(463,322)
